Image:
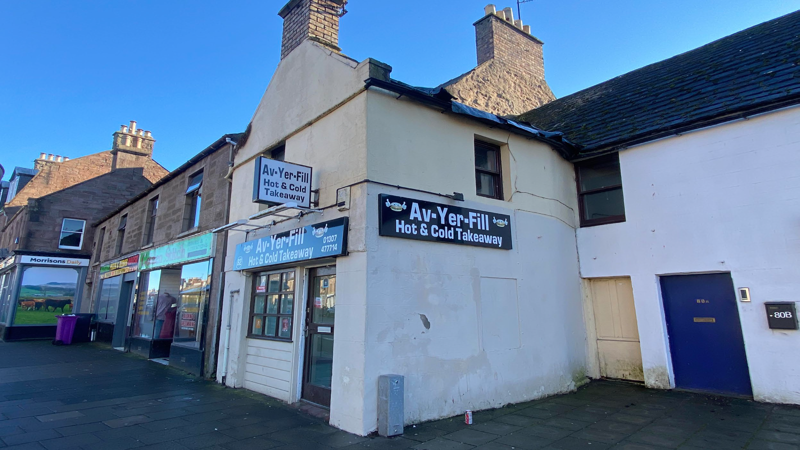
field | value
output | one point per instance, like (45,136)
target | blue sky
(72,72)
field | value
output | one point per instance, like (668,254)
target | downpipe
(227,348)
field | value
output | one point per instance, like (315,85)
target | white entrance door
(617,332)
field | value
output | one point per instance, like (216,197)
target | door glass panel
(324,300)
(321,356)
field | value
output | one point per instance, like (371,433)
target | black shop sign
(427,221)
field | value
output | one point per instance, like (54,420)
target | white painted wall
(726,198)
(505,326)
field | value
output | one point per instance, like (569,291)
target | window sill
(146,246)
(189,232)
(609,221)
(265,338)
(68,248)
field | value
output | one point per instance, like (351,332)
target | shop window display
(157,304)
(194,291)
(45,292)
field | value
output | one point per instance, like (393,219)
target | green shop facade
(36,287)
(155,303)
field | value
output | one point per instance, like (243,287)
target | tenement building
(643,229)
(157,268)
(45,228)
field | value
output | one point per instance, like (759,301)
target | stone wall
(509,79)
(89,201)
(169,227)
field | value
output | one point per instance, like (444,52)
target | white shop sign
(54,261)
(278,182)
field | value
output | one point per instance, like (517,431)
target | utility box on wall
(390,405)
(781,315)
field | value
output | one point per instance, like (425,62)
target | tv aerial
(519,10)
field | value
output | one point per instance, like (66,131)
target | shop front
(34,289)
(292,307)
(117,281)
(171,305)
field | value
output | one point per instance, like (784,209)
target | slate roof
(752,71)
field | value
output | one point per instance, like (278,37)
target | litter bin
(83,327)
(65,329)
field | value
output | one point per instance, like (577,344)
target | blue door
(705,335)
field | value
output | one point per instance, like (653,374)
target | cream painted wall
(719,199)
(505,326)
(417,146)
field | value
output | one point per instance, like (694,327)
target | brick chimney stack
(131,144)
(316,20)
(499,36)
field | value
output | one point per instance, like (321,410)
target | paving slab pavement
(89,396)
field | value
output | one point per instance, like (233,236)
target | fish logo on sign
(319,232)
(248,248)
(239,262)
(500,223)
(394,206)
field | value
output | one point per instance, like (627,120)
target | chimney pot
(490,9)
(518,23)
(133,126)
(148,134)
(123,128)
(43,156)
(509,14)
(58,158)
(66,159)
(526,29)
(51,157)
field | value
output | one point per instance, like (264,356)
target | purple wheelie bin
(65,329)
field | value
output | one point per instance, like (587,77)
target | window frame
(584,222)
(150,221)
(278,153)
(98,249)
(121,228)
(252,314)
(61,232)
(498,174)
(194,202)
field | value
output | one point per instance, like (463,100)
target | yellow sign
(705,319)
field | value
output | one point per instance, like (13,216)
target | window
(98,249)
(488,178)
(108,299)
(123,222)
(152,210)
(71,234)
(191,215)
(278,154)
(600,191)
(273,306)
